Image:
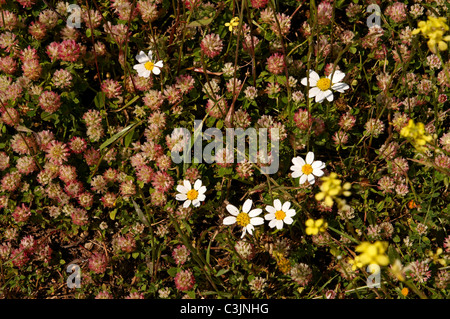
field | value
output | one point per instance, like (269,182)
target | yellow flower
(356,263)
(435,257)
(313,227)
(373,253)
(331,188)
(416,133)
(234,22)
(405,291)
(397,270)
(434,29)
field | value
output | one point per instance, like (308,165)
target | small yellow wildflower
(356,263)
(397,270)
(313,227)
(405,291)
(434,29)
(234,22)
(435,257)
(416,133)
(373,253)
(331,188)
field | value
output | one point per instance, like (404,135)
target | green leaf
(222,272)
(116,136)
(135,255)
(140,213)
(199,23)
(99,100)
(172,271)
(112,214)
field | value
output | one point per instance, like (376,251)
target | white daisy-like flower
(307,169)
(321,88)
(246,218)
(191,195)
(279,214)
(146,64)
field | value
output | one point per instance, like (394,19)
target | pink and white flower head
(191,195)
(307,168)
(247,218)
(322,88)
(146,64)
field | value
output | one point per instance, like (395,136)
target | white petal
(142,57)
(320,97)
(181,197)
(201,197)
(279,224)
(337,76)
(290,212)
(277,204)
(232,210)
(269,216)
(197,184)
(313,78)
(298,161)
(330,96)
(288,220)
(317,164)
(182,189)
(273,223)
(297,173)
(156,70)
(257,221)
(150,55)
(244,230)
(286,206)
(340,87)
(247,205)
(187,203)
(271,209)
(229,220)
(159,64)
(309,158)
(196,202)
(187,185)
(202,190)
(313,92)
(311,179)
(250,228)
(317,172)
(303,179)
(255,212)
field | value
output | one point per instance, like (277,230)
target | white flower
(146,65)
(320,88)
(191,195)
(306,170)
(279,214)
(247,218)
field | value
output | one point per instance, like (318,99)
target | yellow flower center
(280,215)
(243,219)
(324,84)
(307,169)
(149,65)
(192,194)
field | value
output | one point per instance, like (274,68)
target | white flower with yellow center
(279,214)
(146,64)
(246,218)
(191,195)
(321,88)
(307,169)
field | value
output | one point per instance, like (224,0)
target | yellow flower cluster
(416,133)
(434,29)
(331,189)
(372,254)
(234,22)
(313,227)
